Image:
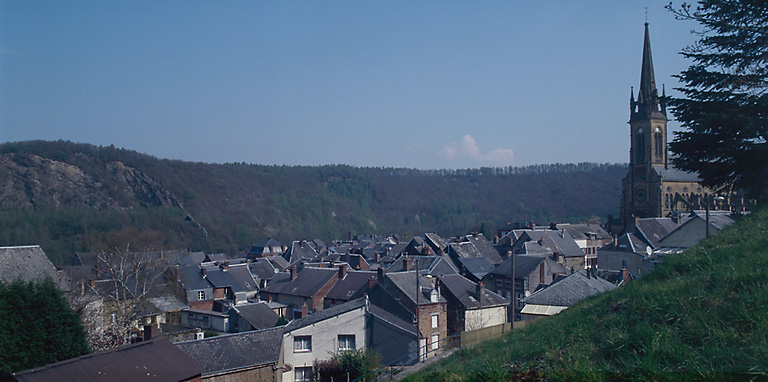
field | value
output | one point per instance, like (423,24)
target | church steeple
(648,104)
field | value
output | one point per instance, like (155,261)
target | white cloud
(467,148)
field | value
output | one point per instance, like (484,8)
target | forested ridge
(70,197)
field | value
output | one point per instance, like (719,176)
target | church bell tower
(648,143)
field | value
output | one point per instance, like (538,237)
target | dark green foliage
(725,108)
(226,208)
(39,327)
(701,315)
(347,365)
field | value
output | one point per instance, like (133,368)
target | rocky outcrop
(28,180)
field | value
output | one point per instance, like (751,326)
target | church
(652,186)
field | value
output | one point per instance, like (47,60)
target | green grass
(701,315)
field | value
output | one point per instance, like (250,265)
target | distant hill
(71,197)
(699,316)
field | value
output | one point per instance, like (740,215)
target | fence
(463,339)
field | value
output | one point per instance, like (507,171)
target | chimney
(480,290)
(371,283)
(150,331)
(271,250)
(625,274)
(224,266)
(407,263)
(376,257)
(380,273)
(202,271)
(304,310)
(301,244)
(270,298)
(342,271)
(293,272)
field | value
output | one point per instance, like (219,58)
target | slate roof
(433,265)
(242,275)
(221,279)
(524,265)
(277,283)
(406,283)
(465,292)
(484,247)
(216,257)
(191,278)
(674,175)
(167,304)
(259,315)
(235,351)
(324,314)
(555,241)
(570,290)
(263,269)
(279,262)
(153,360)
(263,248)
(308,281)
(477,266)
(191,258)
(298,251)
(653,229)
(29,263)
(352,286)
(435,241)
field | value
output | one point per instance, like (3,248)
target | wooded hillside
(71,197)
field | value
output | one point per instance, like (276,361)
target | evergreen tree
(725,103)
(39,327)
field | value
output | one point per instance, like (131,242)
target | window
(302,344)
(201,295)
(302,374)
(434,320)
(346,342)
(435,341)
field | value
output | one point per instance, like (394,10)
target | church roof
(674,175)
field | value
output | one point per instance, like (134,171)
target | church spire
(648,94)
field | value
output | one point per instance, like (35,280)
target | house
(470,305)
(254,316)
(321,334)
(350,285)
(531,273)
(435,242)
(564,293)
(419,297)
(473,246)
(305,292)
(555,242)
(162,310)
(153,360)
(426,265)
(29,263)
(695,229)
(250,356)
(299,251)
(267,248)
(589,237)
(205,319)
(197,291)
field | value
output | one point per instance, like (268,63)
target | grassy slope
(702,314)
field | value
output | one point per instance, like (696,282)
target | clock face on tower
(640,196)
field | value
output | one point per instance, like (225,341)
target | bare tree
(125,280)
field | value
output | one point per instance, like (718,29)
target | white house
(321,334)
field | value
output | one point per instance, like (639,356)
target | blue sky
(418,84)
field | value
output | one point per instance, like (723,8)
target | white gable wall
(325,335)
